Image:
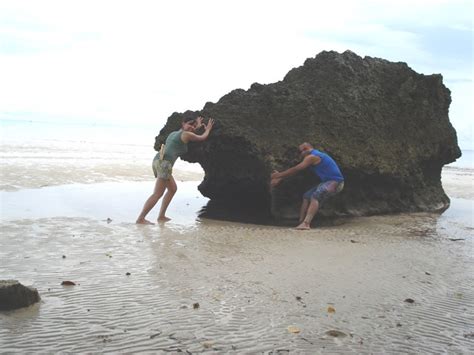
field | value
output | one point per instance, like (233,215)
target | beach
(383,284)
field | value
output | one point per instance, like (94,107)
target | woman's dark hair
(189,116)
(188,120)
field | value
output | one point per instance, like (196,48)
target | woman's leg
(171,190)
(160,186)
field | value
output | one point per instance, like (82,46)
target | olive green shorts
(162,169)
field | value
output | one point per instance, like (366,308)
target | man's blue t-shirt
(327,169)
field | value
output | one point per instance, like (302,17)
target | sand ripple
(251,283)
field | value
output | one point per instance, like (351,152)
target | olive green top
(174,147)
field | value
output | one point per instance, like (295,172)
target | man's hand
(275,178)
(274,182)
(275,175)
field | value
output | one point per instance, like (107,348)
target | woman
(176,145)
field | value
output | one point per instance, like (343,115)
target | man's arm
(307,161)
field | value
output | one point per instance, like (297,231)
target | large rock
(386,125)
(14,295)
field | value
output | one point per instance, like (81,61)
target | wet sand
(199,285)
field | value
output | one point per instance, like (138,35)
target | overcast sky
(126,61)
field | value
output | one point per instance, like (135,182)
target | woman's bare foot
(303,226)
(164,219)
(143,221)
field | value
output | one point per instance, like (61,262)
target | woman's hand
(209,124)
(198,122)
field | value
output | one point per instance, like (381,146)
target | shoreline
(121,200)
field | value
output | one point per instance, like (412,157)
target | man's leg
(310,213)
(304,209)
(305,204)
(321,193)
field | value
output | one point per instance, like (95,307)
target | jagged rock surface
(14,295)
(386,126)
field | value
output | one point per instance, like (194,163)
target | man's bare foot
(164,219)
(303,226)
(143,221)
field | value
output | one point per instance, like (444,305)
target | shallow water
(117,201)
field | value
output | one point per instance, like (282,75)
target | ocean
(466,161)
(40,154)
(37,142)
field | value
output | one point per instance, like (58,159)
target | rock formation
(386,126)
(14,295)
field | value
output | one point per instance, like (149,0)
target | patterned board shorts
(324,190)
(162,169)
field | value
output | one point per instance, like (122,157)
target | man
(332,181)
